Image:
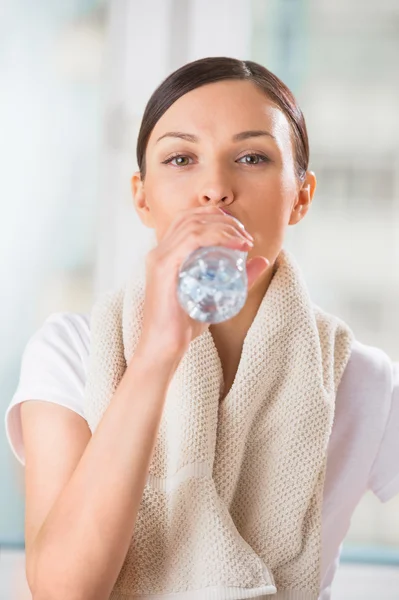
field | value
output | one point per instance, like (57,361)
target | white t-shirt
(363,450)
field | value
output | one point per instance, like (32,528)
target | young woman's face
(220,162)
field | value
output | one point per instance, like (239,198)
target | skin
(266,196)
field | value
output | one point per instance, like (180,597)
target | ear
(304,198)
(139,198)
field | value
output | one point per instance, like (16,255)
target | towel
(232,503)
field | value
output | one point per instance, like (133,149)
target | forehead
(220,109)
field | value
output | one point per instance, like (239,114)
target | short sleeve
(384,475)
(53,369)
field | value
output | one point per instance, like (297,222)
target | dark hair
(212,69)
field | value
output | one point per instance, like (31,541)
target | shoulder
(367,365)
(68,329)
(58,351)
(366,387)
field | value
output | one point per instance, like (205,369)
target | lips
(240,224)
(231,215)
(227,212)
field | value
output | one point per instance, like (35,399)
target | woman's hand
(166,325)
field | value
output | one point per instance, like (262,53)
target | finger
(194,236)
(256,266)
(185,214)
(227,219)
(208,233)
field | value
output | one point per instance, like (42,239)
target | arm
(78,549)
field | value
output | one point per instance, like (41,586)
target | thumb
(256,266)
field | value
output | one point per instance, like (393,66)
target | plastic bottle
(213,284)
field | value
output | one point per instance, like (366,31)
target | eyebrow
(238,137)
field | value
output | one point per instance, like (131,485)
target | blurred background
(75,76)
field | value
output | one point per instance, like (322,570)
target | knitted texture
(232,504)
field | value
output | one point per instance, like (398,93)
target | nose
(216,192)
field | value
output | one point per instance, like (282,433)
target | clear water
(213,285)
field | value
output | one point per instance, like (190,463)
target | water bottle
(213,284)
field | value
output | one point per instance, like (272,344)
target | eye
(254,159)
(182,160)
(177,157)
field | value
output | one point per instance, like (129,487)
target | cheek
(271,202)
(270,220)
(165,202)
(269,214)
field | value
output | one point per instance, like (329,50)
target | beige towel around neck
(232,504)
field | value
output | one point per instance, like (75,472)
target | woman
(223,160)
